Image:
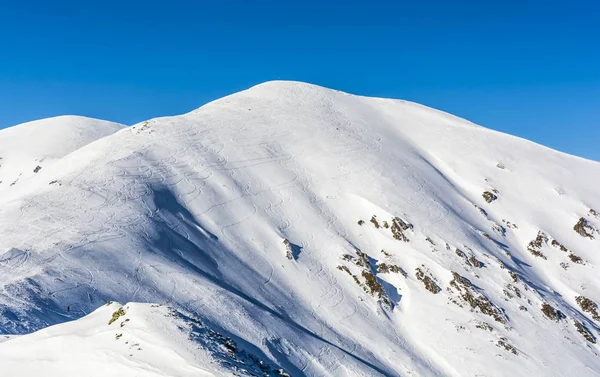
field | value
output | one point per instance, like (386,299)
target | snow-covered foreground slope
(29,147)
(128,340)
(325,233)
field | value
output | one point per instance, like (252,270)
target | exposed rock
(557,244)
(475,299)
(363,259)
(398,228)
(587,334)
(116,315)
(475,262)
(588,306)
(489,196)
(536,245)
(428,282)
(484,326)
(289,252)
(584,228)
(513,289)
(371,285)
(374,221)
(387,268)
(552,313)
(503,342)
(345,269)
(575,258)
(510,225)
(374,287)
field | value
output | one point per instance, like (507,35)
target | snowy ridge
(27,148)
(127,340)
(330,234)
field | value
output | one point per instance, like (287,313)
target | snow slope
(38,144)
(326,233)
(143,339)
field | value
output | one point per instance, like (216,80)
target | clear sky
(529,68)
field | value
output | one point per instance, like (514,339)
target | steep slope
(29,147)
(332,234)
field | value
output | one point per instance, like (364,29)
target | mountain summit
(322,233)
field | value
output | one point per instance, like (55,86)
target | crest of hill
(27,148)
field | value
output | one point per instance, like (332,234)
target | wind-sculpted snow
(331,234)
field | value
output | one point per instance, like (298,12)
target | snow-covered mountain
(325,234)
(27,148)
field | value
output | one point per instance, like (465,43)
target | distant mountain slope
(27,148)
(332,234)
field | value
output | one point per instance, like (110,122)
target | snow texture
(324,234)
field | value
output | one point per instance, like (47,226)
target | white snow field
(29,147)
(325,234)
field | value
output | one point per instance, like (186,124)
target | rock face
(375,197)
(584,228)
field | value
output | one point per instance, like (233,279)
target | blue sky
(529,68)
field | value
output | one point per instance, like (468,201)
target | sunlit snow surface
(192,212)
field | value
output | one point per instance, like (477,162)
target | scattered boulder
(489,196)
(510,225)
(374,221)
